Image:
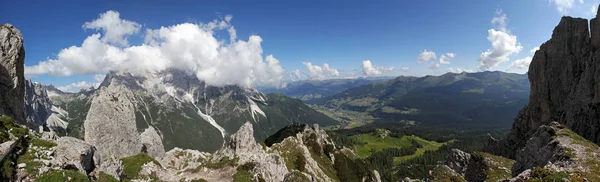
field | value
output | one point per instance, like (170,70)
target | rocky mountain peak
(12,80)
(565,85)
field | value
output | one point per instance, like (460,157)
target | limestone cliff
(565,85)
(12,80)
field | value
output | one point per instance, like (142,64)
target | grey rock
(565,86)
(21,165)
(458,161)
(12,80)
(73,153)
(152,143)
(111,166)
(37,104)
(110,123)
(270,166)
(41,112)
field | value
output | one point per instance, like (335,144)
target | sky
(73,44)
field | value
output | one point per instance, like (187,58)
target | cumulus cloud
(370,70)
(405,69)
(430,57)
(459,70)
(520,64)
(563,6)
(186,46)
(503,43)
(113,27)
(320,72)
(75,87)
(532,51)
(297,73)
(445,59)
(426,56)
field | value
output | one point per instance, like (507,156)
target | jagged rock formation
(41,112)
(269,166)
(565,85)
(12,72)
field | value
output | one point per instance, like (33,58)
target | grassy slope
(427,146)
(375,142)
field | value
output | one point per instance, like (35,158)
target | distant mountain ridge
(452,99)
(314,89)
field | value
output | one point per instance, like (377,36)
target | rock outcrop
(12,80)
(152,143)
(73,153)
(269,166)
(558,149)
(478,166)
(565,86)
(110,123)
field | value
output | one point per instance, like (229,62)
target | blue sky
(342,34)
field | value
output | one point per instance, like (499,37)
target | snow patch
(56,118)
(255,110)
(211,121)
(178,94)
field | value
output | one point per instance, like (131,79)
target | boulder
(152,143)
(73,153)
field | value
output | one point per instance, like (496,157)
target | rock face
(12,80)
(565,85)
(110,124)
(73,153)
(37,104)
(41,112)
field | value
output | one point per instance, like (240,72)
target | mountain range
(482,99)
(171,126)
(314,89)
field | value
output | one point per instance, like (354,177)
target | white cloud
(426,56)
(405,69)
(297,73)
(563,6)
(320,72)
(370,70)
(113,27)
(75,87)
(520,64)
(445,59)
(532,51)
(186,46)
(503,43)
(459,70)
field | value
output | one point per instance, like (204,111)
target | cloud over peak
(186,46)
